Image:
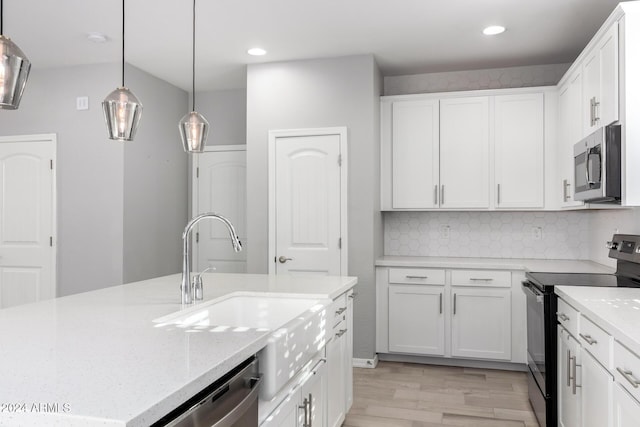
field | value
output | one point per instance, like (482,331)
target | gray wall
(90,169)
(493,78)
(321,93)
(226,111)
(155,182)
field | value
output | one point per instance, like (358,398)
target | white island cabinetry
(602,373)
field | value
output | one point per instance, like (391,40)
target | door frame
(195,183)
(51,138)
(341,131)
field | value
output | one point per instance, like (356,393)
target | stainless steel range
(542,323)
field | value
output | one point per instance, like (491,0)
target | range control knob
(612,245)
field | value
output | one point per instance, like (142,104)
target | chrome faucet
(185,287)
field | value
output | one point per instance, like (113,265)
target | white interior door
(220,187)
(307,201)
(27,255)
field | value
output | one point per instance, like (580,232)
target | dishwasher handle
(226,405)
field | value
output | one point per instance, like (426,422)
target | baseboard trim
(466,363)
(365,363)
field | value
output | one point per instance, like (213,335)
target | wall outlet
(445,231)
(536,233)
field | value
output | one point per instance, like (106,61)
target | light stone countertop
(97,358)
(521,264)
(616,310)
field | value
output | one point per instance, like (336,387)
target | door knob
(284,259)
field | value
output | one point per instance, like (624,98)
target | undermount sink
(298,326)
(244,311)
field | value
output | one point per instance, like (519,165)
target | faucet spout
(185,287)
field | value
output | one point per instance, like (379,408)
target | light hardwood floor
(411,395)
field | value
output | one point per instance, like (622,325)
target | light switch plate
(82,103)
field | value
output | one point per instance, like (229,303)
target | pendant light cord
(122,42)
(193,59)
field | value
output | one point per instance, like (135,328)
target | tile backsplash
(540,235)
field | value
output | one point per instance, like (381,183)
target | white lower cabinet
(305,404)
(569,392)
(416,319)
(336,403)
(626,409)
(597,392)
(461,313)
(481,323)
(348,357)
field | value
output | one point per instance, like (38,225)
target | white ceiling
(406,36)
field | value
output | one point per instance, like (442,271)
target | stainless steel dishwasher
(232,401)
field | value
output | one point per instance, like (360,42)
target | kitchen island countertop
(97,358)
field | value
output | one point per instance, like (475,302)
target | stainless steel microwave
(597,171)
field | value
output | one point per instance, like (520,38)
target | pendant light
(14,69)
(193,126)
(122,110)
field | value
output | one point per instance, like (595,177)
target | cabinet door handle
(591,111)
(440,302)
(498,193)
(454,304)
(588,339)
(341,310)
(568,368)
(435,195)
(341,333)
(565,188)
(563,317)
(628,375)
(574,366)
(596,104)
(353,295)
(442,195)
(305,407)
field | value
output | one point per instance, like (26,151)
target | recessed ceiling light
(97,38)
(492,30)
(256,51)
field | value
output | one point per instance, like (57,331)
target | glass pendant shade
(194,129)
(122,112)
(14,72)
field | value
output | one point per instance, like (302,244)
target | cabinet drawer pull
(341,310)
(563,316)
(417,277)
(588,339)
(353,295)
(341,333)
(628,375)
(477,279)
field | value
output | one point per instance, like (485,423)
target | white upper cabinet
(569,132)
(464,152)
(519,151)
(600,82)
(415,154)
(475,150)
